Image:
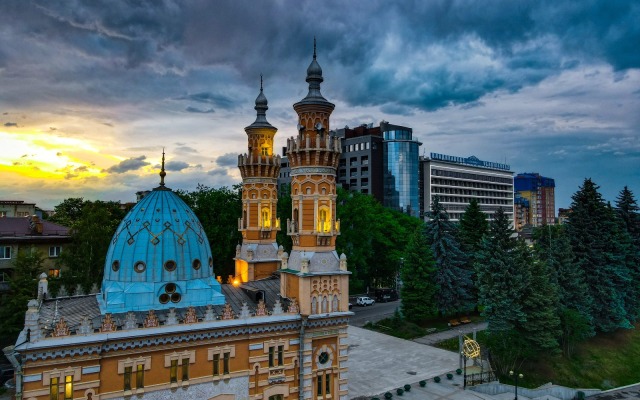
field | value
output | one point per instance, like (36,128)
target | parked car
(365,301)
(384,295)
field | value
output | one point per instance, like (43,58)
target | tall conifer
(453,282)
(418,289)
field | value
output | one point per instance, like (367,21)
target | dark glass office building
(401,168)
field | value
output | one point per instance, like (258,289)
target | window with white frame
(54,251)
(5,252)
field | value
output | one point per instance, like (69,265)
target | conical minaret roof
(314,78)
(261,109)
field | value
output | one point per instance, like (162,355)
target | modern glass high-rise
(401,168)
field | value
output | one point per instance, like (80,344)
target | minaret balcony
(269,226)
(328,228)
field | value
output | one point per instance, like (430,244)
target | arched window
(334,303)
(324,220)
(325,304)
(314,305)
(266,217)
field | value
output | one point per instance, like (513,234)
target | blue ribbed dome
(159,258)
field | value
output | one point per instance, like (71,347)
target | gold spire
(162,173)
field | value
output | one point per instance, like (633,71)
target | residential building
(457,180)
(540,192)
(521,212)
(31,234)
(563,215)
(16,208)
(163,327)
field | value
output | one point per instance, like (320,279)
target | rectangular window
(271,356)
(280,355)
(173,372)
(68,387)
(185,369)
(216,364)
(226,363)
(319,384)
(327,387)
(53,389)
(54,272)
(127,378)
(5,252)
(140,376)
(54,251)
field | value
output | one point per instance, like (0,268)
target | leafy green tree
(218,211)
(91,236)
(69,212)
(373,237)
(592,229)
(418,289)
(453,282)
(501,280)
(23,286)
(284,213)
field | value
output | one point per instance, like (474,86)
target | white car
(365,301)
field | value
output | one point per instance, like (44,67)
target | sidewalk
(467,329)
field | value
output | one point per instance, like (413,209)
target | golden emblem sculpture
(470,348)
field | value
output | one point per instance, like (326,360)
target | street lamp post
(516,376)
(464,376)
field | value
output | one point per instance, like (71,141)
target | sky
(91,92)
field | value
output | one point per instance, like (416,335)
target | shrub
(407,388)
(436,379)
(399,391)
(449,376)
(423,383)
(459,371)
(388,395)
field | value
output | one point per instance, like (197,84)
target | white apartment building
(457,180)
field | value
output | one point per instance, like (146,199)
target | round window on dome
(175,297)
(164,298)
(170,288)
(139,267)
(170,265)
(196,264)
(115,266)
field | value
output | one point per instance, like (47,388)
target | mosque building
(162,326)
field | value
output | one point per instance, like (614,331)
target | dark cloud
(197,110)
(130,164)
(218,172)
(10,124)
(82,168)
(227,160)
(216,99)
(176,165)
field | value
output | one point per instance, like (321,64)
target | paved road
(372,313)
(451,333)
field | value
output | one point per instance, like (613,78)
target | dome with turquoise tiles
(159,258)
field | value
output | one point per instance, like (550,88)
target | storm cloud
(131,164)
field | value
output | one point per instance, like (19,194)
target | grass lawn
(602,362)
(409,330)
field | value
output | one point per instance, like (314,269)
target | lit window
(68,387)
(140,376)
(54,272)
(324,222)
(5,252)
(266,218)
(54,251)
(53,389)
(127,378)
(265,151)
(173,372)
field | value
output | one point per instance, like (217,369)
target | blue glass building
(401,168)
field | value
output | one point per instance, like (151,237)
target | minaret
(258,257)
(313,274)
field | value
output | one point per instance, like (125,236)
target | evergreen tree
(501,280)
(453,282)
(592,229)
(629,213)
(418,290)
(539,303)
(629,232)
(472,227)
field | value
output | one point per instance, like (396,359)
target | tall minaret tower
(313,274)
(259,256)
